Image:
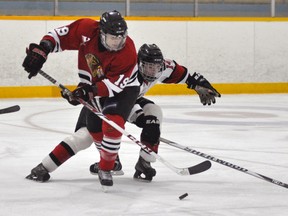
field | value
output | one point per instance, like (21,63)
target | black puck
(183,196)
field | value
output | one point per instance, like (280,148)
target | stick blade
(14,108)
(201,167)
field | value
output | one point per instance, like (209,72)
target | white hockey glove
(203,88)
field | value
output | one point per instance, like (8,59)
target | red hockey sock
(110,143)
(97,137)
(61,153)
(107,160)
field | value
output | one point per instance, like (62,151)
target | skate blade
(33,178)
(117,173)
(140,179)
(30,177)
(113,173)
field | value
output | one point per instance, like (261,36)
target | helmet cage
(113,42)
(150,62)
(150,71)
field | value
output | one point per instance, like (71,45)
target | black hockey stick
(201,167)
(225,163)
(10,109)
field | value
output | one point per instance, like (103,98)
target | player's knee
(80,140)
(153,109)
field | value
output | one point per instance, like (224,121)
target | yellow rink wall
(159,89)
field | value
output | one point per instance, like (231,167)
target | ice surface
(250,131)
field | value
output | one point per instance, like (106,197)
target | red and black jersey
(110,71)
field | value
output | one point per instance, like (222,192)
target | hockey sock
(110,143)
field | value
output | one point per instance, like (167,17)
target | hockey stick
(10,109)
(225,163)
(201,167)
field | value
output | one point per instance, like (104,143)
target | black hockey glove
(85,92)
(70,100)
(151,130)
(36,57)
(203,88)
(206,95)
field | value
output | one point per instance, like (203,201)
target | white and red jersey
(172,73)
(110,71)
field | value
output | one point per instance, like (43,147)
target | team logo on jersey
(94,65)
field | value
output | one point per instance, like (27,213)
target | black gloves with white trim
(84,91)
(36,57)
(70,99)
(203,88)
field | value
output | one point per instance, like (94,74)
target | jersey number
(62,31)
(121,82)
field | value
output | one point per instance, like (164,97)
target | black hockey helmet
(113,30)
(113,23)
(150,62)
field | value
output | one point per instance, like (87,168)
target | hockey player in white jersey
(145,114)
(153,68)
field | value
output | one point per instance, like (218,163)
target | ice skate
(39,174)
(105,179)
(117,170)
(144,171)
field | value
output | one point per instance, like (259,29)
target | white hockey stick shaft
(180,171)
(222,162)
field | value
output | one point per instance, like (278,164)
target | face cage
(113,42)
(150,71)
